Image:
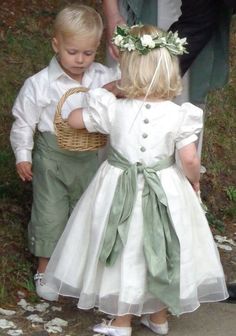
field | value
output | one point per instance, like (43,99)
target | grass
(26,49)
(219,153)
(20,56)
(231,193)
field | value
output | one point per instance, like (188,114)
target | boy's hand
(24,170)
(112,87)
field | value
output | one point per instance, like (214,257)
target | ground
(20,21)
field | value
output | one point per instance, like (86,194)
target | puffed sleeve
(99,112)
(191,124)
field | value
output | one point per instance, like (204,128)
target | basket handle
(65,96)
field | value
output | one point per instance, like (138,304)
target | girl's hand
(24,170)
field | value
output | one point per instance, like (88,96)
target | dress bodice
(143,132)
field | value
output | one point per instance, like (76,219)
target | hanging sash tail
(161,244)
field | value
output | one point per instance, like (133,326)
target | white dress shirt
(35,105)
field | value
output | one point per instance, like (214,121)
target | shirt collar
(89,75)
(55,71)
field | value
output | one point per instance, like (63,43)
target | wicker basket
(74,139)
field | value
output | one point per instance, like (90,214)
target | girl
(138,242)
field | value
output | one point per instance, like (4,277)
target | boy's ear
(55,44)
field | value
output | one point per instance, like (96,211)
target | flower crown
(126,41)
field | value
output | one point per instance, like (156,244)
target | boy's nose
(79,58)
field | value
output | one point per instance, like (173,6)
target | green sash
(161,244)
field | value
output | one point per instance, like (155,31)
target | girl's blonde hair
(78,20)
(138,70)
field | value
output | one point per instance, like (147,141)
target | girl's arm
(75,119)
(191,164)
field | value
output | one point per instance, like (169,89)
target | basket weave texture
(75,139)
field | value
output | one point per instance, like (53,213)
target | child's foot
(106,328)
(160,329)
(42,290)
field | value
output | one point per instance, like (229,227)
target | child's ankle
(159,318)
(122,322)
(42,264)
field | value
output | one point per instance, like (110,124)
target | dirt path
(63,318)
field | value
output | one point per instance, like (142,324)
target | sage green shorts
(59,179)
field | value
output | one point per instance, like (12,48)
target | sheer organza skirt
(75,270)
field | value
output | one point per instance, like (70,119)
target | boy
(59,176)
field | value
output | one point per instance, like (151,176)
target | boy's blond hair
(138,70)
(78,20)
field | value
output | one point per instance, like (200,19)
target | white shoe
(42,290)
(106,328)
(160,329)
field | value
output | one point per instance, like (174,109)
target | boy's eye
(71,52)
(89,53)
(86,53)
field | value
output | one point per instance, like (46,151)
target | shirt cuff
(23,155)
(182,143)
(87,120)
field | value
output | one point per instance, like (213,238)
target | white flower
(175,35)
(182,41)
(129,45)
(147,41)
(118,40)
(177,41)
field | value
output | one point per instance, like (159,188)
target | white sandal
(160,329)
(42,290)
(106,328)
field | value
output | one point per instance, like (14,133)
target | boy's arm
(75,119)
(112,87)
(26,117)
